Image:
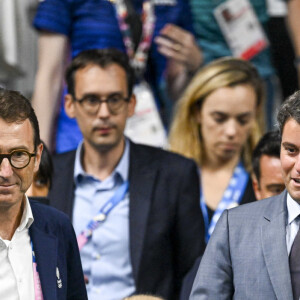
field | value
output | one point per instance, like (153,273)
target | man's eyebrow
(288,144)
(19,147)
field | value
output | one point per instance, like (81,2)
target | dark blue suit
(166,228)
(55,246)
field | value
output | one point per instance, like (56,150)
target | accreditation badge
(146,126)
(241,28)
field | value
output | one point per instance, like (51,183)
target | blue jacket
(55,247)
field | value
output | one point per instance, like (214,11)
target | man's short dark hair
(14,107)
(289,109)
(268,145)
(102,58)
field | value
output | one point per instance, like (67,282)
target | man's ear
(256,187)
(69,106)
(38,157)
(131,105)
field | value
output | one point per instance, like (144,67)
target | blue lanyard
(105,210)
(232,194)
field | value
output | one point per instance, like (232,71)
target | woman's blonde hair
(184,137)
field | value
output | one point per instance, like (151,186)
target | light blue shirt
(292,226)
(106,257)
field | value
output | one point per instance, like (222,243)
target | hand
(180,45)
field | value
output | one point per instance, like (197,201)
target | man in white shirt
(254,252)
(39,256)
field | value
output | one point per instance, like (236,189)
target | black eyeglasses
(91,103)
(18,158)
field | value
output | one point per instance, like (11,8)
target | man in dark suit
(39,256)
(141,203)
(254,252)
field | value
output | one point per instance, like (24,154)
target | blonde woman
(215,123)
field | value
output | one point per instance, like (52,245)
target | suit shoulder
(161,155)
(63,157)
(257,208)
(43,213)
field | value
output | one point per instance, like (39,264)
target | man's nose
(5,168)
(103,111)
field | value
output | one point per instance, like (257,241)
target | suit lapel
(45,247)
(273,235)
(61,194)
(142,177)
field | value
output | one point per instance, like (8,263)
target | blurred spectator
(42,179)
(267,178)
(90,24)
(282,51)
(294,27)
(213,44)
(215,123)
(134,207)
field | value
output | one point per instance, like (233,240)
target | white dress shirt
(292,226)
(16,273)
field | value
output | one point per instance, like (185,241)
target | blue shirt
(92,24)
(106,257)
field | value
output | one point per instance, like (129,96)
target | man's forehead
(95,67)
(16,134)
(291,130)
(96,80)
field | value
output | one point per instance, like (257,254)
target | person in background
(212,44)
(134,208)
(42,178)
(39,254)
(216,124)
(267,179)
(128,25)
(283,54)
(254,251)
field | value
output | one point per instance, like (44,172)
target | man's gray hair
(289,109)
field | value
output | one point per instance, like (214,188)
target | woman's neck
(215,164)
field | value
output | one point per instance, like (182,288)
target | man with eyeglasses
(39,257)
(135,208)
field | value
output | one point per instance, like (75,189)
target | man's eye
(91,100)
(19,154)
(290,150)
(114,99)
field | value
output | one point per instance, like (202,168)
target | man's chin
(106,144)
(295,194)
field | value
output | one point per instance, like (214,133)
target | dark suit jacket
(55,246)
(166,224)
